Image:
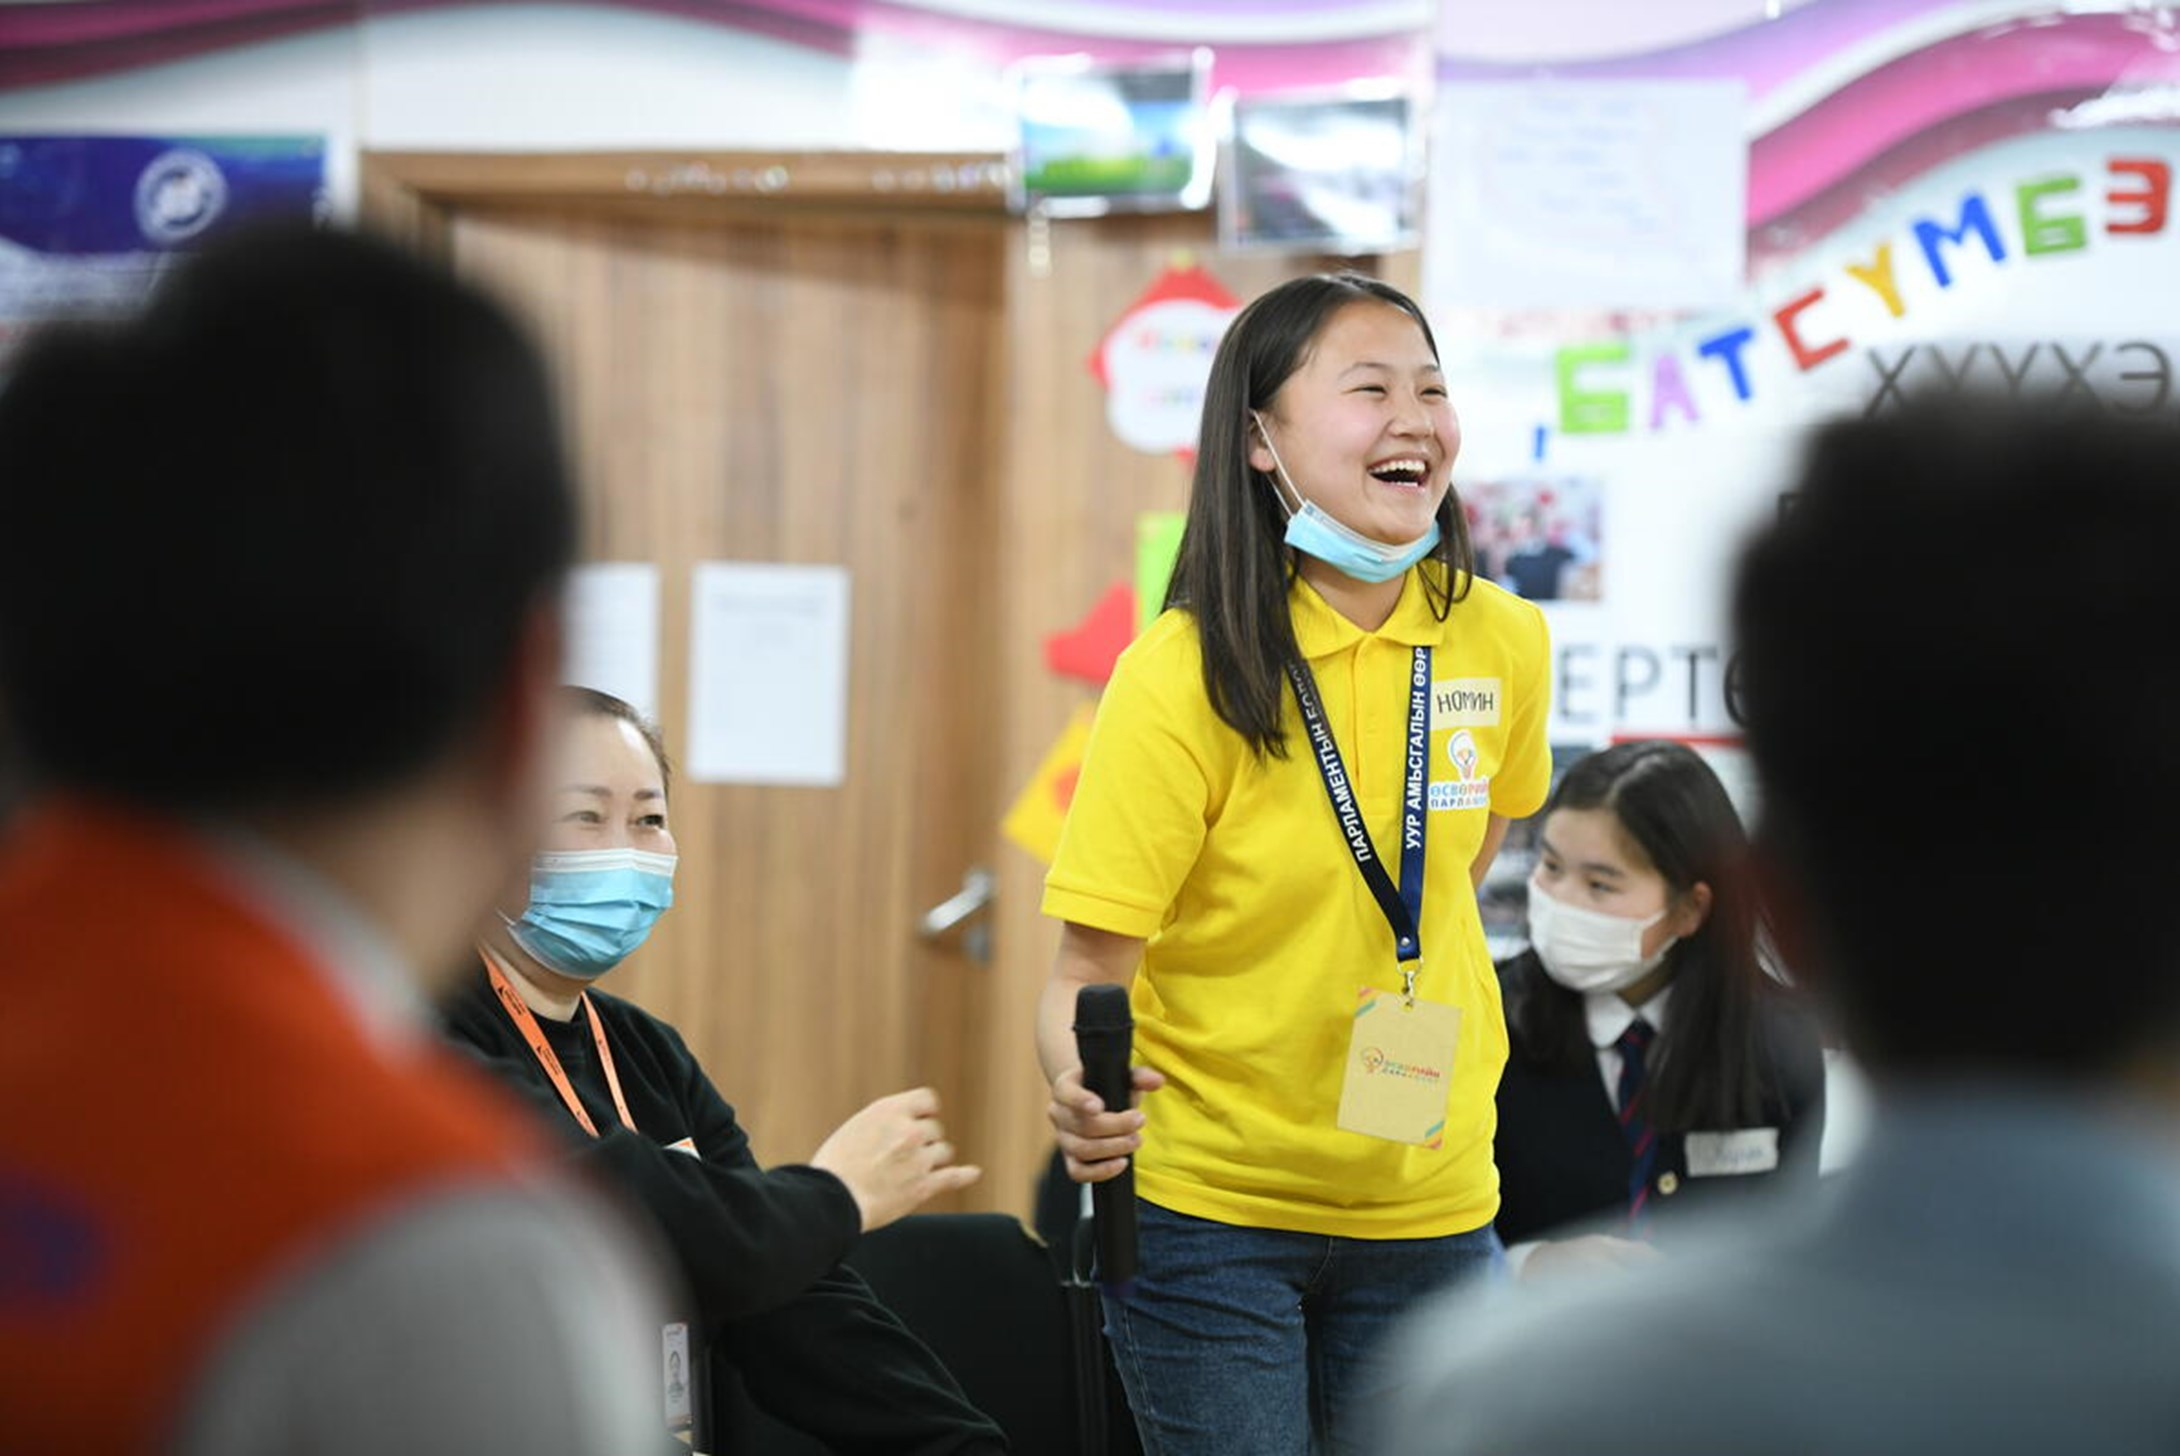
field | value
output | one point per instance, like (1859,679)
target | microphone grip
(1106,1050)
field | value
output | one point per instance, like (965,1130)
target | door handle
(956,910)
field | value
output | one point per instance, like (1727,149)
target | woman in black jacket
(1655,1064)
(758,1249)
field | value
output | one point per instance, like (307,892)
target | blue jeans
(1257,1342)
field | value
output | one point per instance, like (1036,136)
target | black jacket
(1563,1161)
(758,1250)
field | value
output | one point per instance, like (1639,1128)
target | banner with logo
(87,224)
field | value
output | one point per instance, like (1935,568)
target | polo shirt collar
(1320,631)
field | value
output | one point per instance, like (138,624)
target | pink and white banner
(1265,44)
(1938,196)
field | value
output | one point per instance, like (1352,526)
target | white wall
(537,78)
(1574,30)
(559,77)
(302,85)
(574,77)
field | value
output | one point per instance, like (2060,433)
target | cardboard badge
(674,1343)
(1399,1068)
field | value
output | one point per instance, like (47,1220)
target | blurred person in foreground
(279,571)
(1970,797)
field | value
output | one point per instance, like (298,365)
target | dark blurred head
(276,541)
(1963,698)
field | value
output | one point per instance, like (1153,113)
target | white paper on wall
(768,673)
(613,631)
(1589,194)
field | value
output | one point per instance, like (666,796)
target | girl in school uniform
(1297,776)
(1655,1065)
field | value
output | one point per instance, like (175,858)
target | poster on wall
(1155,361)
(612,642)
(89,223)
(1597,194)
(768,673)
(1954,207)
(1325,171)
(1538,535)
(1093,139)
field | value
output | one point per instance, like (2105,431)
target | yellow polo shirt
(1259,929)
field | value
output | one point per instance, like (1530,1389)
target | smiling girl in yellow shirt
(1297,776)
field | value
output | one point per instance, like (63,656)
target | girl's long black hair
(1709,1069)
(1234,567)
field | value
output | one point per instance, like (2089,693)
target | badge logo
(1376,1063)
(1469,789)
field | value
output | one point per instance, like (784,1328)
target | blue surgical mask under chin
(1314,532)
(590,908)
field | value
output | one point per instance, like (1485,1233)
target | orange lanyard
(518,1011)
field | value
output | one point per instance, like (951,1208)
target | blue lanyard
(1403,907)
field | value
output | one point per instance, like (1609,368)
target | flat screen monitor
(1095,138)
(1328,171)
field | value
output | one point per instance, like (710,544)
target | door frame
(411,196)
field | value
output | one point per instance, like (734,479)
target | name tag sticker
(1399,1068)
(1465,702)
(1730,1154)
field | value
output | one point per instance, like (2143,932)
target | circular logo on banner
(180,194)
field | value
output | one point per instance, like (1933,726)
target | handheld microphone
(1105,1039)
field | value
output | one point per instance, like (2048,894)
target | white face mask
(1588,951)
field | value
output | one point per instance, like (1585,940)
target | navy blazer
(1562,1159)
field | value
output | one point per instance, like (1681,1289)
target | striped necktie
(1642,1138)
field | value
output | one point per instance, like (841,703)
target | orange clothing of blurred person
(280,565)
(269,1105)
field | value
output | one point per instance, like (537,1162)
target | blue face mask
(590,908)
(1314,532)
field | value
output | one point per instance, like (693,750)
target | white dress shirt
(1609,1018)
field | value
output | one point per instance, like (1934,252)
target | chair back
(987,1297)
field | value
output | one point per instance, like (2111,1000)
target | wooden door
(804,390)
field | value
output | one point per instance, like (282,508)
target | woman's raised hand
(894,1157)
